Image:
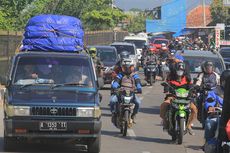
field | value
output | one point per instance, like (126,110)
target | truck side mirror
(3,80)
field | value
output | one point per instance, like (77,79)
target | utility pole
(204,12)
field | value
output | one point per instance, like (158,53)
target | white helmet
(163,45)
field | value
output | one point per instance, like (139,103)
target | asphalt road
(146,136)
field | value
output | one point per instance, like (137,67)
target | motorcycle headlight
(127,100)
(17,110)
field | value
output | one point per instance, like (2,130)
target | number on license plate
(53,126)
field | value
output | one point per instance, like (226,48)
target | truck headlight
(88,112)
(17,110)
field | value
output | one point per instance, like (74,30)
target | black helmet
(223,77)
(180,68)
(208,67)
(124,54)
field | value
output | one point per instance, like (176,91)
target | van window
(194,63)
(138,43)
(60,70)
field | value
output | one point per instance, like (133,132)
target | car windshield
(57,70)
(107,55)
(194,63)
(225,53)
(121,48)
(160,42)
(138,43)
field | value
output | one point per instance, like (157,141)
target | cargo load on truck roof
(57,33)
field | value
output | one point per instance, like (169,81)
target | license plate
(53,126)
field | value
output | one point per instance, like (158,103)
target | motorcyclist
(213,100)
(163,52)
(208,77)
(126,73)
(117,68)
(178,78)
(97,62)
(151,57)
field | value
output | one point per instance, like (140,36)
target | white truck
(139,42)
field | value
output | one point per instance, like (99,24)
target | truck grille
(53,111)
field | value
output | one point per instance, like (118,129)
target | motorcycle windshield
(182,93)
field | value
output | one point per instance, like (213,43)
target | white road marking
(131,133)
(141,98)
(145,152)
(150,87)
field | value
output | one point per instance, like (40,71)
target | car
(194,58)
(139,41)
(225,53)
(52,97)
(109,57)
(129,47)
(158,41)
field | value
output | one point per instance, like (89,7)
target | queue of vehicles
(54,108)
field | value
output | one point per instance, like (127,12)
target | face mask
(179,72)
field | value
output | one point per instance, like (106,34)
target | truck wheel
(94,145)
(9,143)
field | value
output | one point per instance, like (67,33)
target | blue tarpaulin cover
(53,33)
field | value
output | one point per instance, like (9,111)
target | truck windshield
(139,43)
(56,70)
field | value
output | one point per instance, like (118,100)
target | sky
(149,4)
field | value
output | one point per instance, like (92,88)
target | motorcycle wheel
(151,80)
(173,137)
(225,149)
(181,131)
(126,117)
(164,76)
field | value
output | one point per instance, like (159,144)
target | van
(52,97)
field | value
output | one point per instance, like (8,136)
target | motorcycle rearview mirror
(210,100)
(164,84)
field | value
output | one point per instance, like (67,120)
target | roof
(200,53)
(37,53)
(195,16)
(135,38)
(102,47)
(122,43)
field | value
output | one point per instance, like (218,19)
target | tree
(219,12)
(95,14)
(137,22)
(102,19)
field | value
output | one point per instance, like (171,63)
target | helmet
(208,67)
(93,52)
(163,45)
(180,68)
(223,77)
(127,65)
(124,54)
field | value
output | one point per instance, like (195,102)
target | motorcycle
(151,72)
(202,114)
(124,109)
(164,69)
(179,112)
(214,145)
